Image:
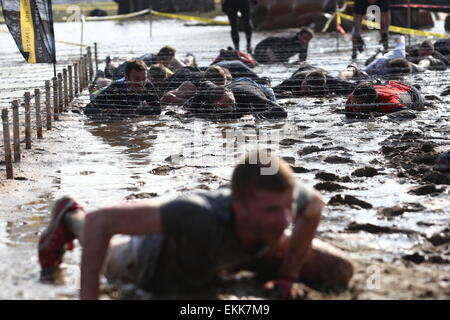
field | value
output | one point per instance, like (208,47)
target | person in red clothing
(232,55)
(386,98)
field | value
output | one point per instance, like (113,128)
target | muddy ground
(388,210)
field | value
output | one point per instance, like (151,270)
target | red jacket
(245,58)
(390,96)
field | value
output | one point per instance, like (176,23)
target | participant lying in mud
(391,64)
(240,97)
(234,55)
(188,88)
(183,245)
(419,60)
(281,49)
(443,47)
(312,81)
(426,51)
(387,98)
(133,95)
(165,56)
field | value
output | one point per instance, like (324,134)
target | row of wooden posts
(65,88)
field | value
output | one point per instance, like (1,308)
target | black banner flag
(30,22)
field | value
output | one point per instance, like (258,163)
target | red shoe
(56,238)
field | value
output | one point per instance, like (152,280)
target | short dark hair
(137,65)
(158,72)
(248,176)
(427,44)
(166,52)
(399,66)
(229,54)
(316,79)
(306,30)
(366,92)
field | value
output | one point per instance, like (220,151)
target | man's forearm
(95,241)
(100,226)
(300,242)
(298,250)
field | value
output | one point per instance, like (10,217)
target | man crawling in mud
(240,97)
(391,97)
(312,81)
(130,96)
(182,245)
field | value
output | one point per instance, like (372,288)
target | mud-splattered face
(269,213)
(136,80)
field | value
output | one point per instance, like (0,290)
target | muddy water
(103,164)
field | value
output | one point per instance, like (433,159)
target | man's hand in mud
(285,289)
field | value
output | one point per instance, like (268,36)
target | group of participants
(229,88)
(262,222)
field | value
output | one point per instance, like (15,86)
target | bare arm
(100,226)
(179,95)
(300,244)
(171,98)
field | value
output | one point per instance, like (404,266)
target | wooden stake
(7,143)
(81,75)
(27,121)
(76,78)
(96,56)
(60,93)
(66,90)
(90,65)
(37,103)
(55,99)
(16,130)
(86,71)
(48,108)
(69,68)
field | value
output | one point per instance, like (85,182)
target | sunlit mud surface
(106,163)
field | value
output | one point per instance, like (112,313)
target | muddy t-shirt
(198,241)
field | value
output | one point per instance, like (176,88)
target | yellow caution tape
(119,17)
(72,43)
(189,18)
(401,30)
(349,3)
(87,6)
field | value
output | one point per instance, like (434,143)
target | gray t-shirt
(198,241)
